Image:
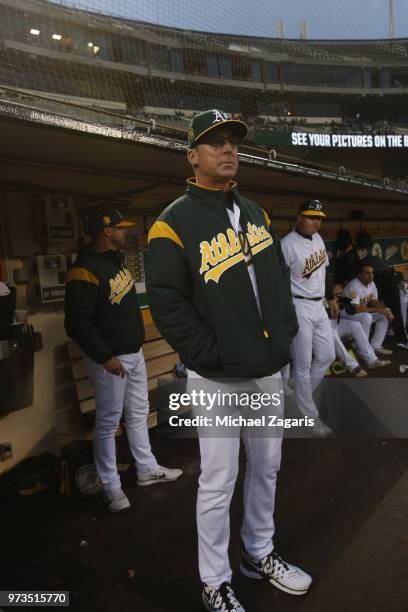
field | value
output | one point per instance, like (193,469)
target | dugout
(49,160)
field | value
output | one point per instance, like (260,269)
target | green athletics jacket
(200,292)
(102,312)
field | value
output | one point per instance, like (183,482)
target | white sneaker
(278,572)
(320,429)
(383,351)
(116,500)
(378,363)
(163,474)
(223,598)
(403,345)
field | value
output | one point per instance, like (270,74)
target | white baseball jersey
(359,293)
(234,216)
(307,260)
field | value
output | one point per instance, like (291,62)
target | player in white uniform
(342,353)
(404,301)
(347,327)
(368,310)
(313,346)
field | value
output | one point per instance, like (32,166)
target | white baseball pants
(312,352)
(114,394)
(340,349)
(348,327)
(219,470)
(366,319)
(404,306)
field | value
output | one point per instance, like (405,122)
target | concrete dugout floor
(341,514)
(327,492)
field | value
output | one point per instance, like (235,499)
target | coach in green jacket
(219,292)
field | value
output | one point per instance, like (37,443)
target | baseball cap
(106,217)
(209,120)
(312,208)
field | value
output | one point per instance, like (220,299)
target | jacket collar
(214,195)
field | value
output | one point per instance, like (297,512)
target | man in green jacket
(219,293)
(102,315)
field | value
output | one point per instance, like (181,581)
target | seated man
(347,327)
(342,353)
(387,282)
(366,308)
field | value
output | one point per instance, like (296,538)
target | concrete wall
(35,429)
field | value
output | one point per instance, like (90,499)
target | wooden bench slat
(79,369)
(152,382)
(151,333)
(152,419)
(84,389)
(74,352)
(156,349)
(87,405)
(161,365)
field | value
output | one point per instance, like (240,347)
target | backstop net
(309,95)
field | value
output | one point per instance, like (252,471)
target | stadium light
(35,32)
(90,44)
(56,36)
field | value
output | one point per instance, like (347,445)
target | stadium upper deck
(86,73)
(51,34)
(151,72)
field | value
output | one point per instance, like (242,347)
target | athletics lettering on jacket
(314,262)
(224,250)
(120,286)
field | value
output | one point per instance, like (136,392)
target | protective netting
(316,98)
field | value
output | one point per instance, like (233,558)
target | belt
(303,297)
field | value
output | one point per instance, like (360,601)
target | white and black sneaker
(222,598)
(163,474)
(286,577)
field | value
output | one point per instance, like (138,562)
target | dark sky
(325,18)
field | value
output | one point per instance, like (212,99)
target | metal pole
(391,18)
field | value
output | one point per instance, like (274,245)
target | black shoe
(221,599)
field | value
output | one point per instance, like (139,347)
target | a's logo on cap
(106,220)
(219,116)
(190,134)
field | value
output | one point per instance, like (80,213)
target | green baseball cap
(106,217)
(210,120)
